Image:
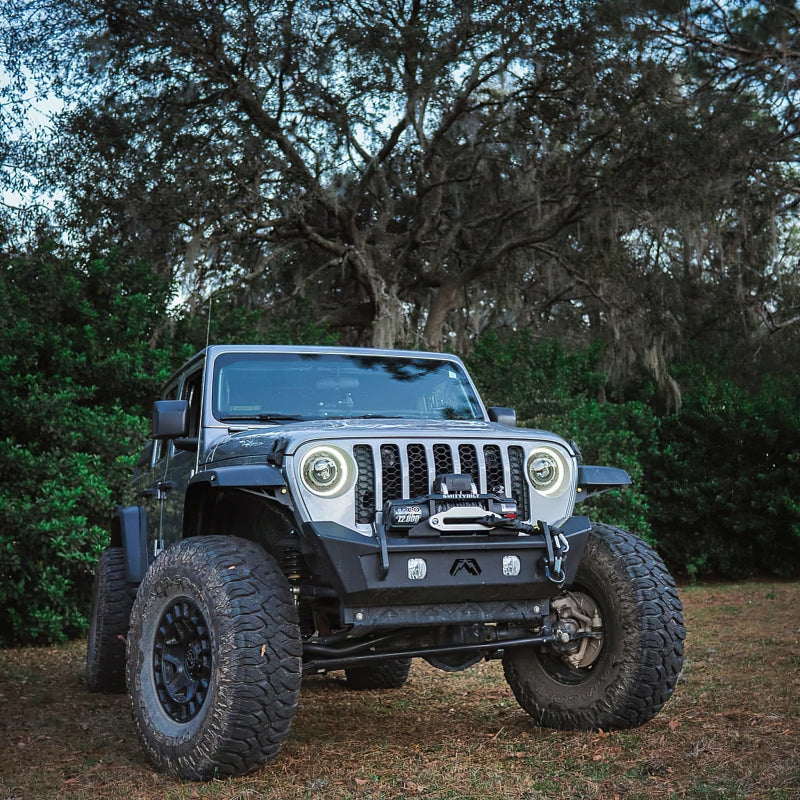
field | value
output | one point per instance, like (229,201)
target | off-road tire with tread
(641,654)
(390,674)
(213,658)
(112,600)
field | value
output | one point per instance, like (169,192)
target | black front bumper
(397,580)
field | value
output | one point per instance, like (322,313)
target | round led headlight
(548,471)
(327,471)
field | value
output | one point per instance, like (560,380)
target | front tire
(112,600)
(213,658)
(622,675)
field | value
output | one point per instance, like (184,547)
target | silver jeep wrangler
(300,510)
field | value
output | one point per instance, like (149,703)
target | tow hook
(557,549)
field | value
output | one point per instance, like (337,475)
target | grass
(731,731)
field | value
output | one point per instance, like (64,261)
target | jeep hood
(263,440)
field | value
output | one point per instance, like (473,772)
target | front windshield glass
(286,387)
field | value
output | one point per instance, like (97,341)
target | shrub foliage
(713,484)
(78,370)
(722,485)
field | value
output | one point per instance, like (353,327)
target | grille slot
(418,483)
(365,485)
(390,471)
(494,468)
(468,456)
(519,486)
(442,459)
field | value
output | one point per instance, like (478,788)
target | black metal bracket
(557,548)
(380,533)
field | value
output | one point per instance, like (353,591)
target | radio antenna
(203,388)
(208,322)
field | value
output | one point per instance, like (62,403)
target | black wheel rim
(182,660)
(560,672)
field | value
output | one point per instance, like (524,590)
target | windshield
(285,387)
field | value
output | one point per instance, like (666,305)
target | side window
(145,461)
(161,447)
(193,391)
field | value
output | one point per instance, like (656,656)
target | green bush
(78,371)
(714,485)
(623,435)
(553,389)
(538,378)
(723,487)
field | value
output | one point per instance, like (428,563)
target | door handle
(159,491)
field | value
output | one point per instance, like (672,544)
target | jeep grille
(408,470)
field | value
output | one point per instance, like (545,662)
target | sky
(35,123)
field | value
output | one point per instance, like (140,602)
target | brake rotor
(577,614)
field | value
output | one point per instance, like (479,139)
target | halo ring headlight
(327,471)
(548,471)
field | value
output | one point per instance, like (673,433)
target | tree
(420,171)
(351,143)
(735,273)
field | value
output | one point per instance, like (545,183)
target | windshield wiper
(261,418)
(360,416)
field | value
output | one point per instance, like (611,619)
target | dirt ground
(730,731)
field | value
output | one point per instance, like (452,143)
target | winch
(454,506)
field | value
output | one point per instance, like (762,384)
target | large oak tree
(414,170)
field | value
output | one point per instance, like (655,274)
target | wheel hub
(577,614)
(182,660)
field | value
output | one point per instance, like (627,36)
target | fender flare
(129,531)
(245,476)
(594,480)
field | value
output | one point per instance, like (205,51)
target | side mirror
(505,416)
(170,419)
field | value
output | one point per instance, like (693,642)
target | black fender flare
(263,480)
(594,480)
(244,476)
(129,531)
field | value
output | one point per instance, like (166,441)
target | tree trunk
(389,321)
(444,300)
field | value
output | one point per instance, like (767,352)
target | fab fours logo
(469,565)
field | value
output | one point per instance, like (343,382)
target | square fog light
(511,566)
(417,569)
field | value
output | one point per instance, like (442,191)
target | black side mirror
(170,419)
(505,416)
